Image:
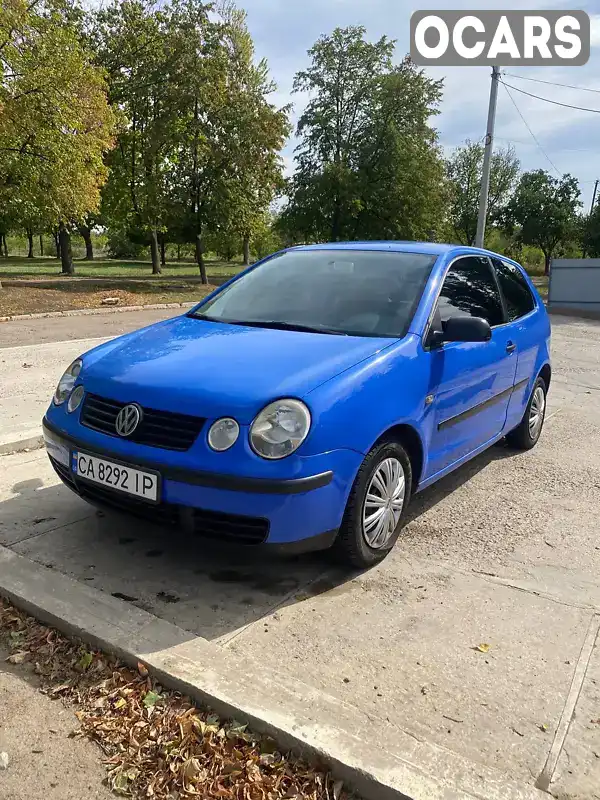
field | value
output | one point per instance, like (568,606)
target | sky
(283,30)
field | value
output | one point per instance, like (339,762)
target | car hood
(212,369)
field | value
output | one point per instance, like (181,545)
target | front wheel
(379,496)
(530,428)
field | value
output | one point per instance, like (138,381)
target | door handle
(511,347)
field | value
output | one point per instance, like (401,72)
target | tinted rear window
(517,295)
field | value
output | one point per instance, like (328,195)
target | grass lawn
(33,300)
(541,284)
(131,282)
(20,267)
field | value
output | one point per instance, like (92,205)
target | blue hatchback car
(301,404)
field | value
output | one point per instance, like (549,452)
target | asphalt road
(87,326)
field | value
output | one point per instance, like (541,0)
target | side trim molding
(448,423)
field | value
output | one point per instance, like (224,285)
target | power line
(512,100)
(552,83)
(554,102)
(551,149)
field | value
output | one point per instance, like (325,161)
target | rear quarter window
(517,294)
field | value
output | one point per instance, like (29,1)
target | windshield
(353,292)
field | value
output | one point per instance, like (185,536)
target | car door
(526,327)
(470,382)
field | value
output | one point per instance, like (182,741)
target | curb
(299,717)
(32,440)
(82,312)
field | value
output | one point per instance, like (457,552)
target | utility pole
(584,249)
(487,159)
(594,195)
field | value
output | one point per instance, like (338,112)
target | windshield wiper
(271,323)
(288,326)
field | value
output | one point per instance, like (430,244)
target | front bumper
(291,515)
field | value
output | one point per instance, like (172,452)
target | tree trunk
(200,257)
(66,255)
(5,247)
(154,252)
(246,250)
(2,245)
(86,233)
(56,243)
(41,245)
(547,257)
(163,248)
(178,252)
(30,241)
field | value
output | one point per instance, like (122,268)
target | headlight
(66,383)
(223,434)
(75,398)
(280,428)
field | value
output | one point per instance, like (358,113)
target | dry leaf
(483,648)
(18,658)
(158,744)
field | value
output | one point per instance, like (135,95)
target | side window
(470,288)
(517,295)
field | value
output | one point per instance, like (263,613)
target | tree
(133,47)
(543,212)
(227,166)
(255,132)
(368,164)
(591,233)
(55,123)
(464,170)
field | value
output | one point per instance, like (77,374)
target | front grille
(215,525)
(165,429)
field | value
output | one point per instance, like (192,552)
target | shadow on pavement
(210,590)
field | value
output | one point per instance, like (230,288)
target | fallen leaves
(157,743)
(482,648)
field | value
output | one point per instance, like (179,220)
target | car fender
(354,409)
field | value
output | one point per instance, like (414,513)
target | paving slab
(28,377)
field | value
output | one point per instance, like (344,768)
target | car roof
(429,248)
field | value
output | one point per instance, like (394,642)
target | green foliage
(368,164)
(591,233)
(464,171)
(199,147)
(267,237)
(55,123)
(543,212)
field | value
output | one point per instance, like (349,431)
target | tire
(527,434)
(355,546)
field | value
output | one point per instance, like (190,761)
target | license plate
(119,477)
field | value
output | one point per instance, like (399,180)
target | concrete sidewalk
(28,378)
(45,761)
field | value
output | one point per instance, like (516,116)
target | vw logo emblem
(128,418)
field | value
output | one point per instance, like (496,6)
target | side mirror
(467,329)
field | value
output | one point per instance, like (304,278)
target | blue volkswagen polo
(301,404)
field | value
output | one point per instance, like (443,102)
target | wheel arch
(546,374)
(409,438)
